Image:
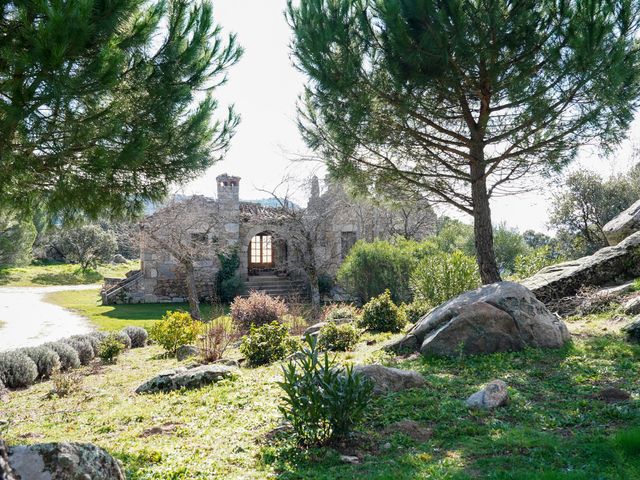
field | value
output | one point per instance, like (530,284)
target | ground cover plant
(555,425)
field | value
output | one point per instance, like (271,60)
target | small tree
(16,238)
(186,229)
(86,245)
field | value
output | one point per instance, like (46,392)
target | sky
(264,87)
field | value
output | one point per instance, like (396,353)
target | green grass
(114,317)
(61,274)
(553,428)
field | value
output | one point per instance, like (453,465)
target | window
(347,240)
(261,249)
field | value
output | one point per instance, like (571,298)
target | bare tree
(186,230)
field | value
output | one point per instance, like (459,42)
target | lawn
(38,275)
(114,317)
(553,428)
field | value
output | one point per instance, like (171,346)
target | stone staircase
(277,286)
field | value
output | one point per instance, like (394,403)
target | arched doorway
(261,253)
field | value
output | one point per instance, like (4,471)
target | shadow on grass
(78,277)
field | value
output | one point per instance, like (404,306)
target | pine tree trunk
(192,291)
(483,230)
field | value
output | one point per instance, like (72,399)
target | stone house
(259,234)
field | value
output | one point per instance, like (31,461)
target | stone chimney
(229,191)
(315,192)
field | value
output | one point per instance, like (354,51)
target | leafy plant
(415,310)
(322,400)
(216,336)
(138,335)
(338,338)
(257,309)
(533,261)
(380,314)
(65,383)
(175,329)
(228,283)
(87,245)
(17,370)
(267,343)
(45,358)
(338,311)
(124,339)
(83,347)
(67,355)
(442,276)
(110,348)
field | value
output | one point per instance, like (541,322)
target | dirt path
(27,320)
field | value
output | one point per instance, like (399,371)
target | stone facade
(233,224)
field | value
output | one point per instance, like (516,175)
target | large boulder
(186,351)
(499,317)
(6,472)
(64,461)
(608,265)
(194,377)
(624,225)
(387,379)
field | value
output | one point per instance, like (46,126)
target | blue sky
(264,87)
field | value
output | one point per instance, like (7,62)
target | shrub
(337,311)
(296,323)
(82,346)
(87,245)
(371,268)
(266,344)
(138,335)
(442,276)
(94,339)
(325,284)
(216,336)
(382,315)
(68,356)
(228,282)
(175,329)
(339,338)
(257,309)
(323,401)
(124,339)
(64,384)
(531,262)
(111,347)
(45,358)
(17,369)
(415,310)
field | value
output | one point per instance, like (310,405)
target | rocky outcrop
(499,317)
(6,472)
(606,266)
(64,461)
(632,330)
(493,395)
(194,377)
(387,379)
(632,306)
(624,225)
(186,351)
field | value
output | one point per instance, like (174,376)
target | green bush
(123,338)
(530,263)
(111,347)
(380,314)
(228,283)
(337,311)
(45,358)
(322,400)
(325,284)
(83,346)
(138,335)
(267,343)
(68,356)
(373,267)
(415,310)
(339,338)
(442,276)
(175,329)
(257,309)
(17,370)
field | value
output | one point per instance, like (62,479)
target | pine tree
(103,104)
(463,99)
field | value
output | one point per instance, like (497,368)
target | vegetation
(380,314)
(97,95)
(67,356)
(228,283)
(339,311)
(386,105)
(440,277)
(322,401)
(415,310)
(216,337)
(534,260)
(17,369)
(257,309)
(174,330)
(45,358)
(267,343)
(40,274)
(87,245)
(17,235)
(338,338)
(110,348)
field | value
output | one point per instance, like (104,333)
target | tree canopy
(103,104)
(463,99)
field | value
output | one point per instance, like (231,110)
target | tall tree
(461,98)
(103,104)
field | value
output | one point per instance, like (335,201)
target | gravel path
(27,320)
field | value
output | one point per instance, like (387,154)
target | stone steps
(276,286)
